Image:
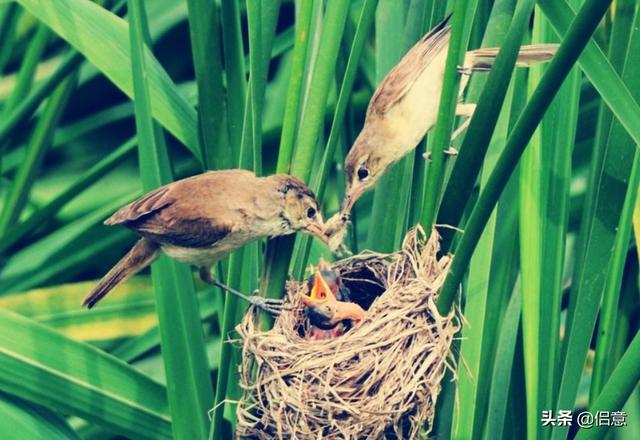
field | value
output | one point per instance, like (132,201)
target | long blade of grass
(322,76)
(204,29)
(79,380)
(598,240)
(234,70)
(257,82)
(497,280)
(312,115)
(598,70)
(390,16)
(23,110)
(40,141)
(475,345)
(613,284)
(502,370)
(211,304)
(448,100)
(264,18)
(618,388)
(30,103)
(32,57)
(516,420)
(618,45)
(576,39)
(558,138)
(531,218)
(476,141)
(242,270)
(545,174)
(367,15)
(67,251)
(636,224)
(608,314)
(294,92)
(503,275)
(8,21)
(319,179)
(32,421)
(128,313)
(102,38)
(189,389)
(85,180)
(32,265)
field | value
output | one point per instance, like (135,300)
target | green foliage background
(100,101)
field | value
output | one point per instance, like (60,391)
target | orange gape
(327,307)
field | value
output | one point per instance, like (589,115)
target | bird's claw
(449,152)
(269,305)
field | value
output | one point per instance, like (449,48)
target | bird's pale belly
(204,256)
(417,112)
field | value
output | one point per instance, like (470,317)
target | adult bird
(200,219)
(329,307)
(405,106)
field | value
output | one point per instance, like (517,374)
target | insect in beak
(318,231)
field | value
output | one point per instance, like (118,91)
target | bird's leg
(465,110)
(449,152)
(462,109)
(269,305)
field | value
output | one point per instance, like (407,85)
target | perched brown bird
(328,306)
(405,106)
(200,219)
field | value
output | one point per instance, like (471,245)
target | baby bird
(405,106)
(200,219)
(328,307)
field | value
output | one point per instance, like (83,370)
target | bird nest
(381,379)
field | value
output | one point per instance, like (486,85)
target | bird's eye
(363,173)
(311,212)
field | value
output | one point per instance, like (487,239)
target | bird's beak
(348,310)
(318,231)
(350,199)
(320,292)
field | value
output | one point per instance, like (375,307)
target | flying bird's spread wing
(402,77)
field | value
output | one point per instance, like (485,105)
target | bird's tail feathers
(138,257)
(482,59)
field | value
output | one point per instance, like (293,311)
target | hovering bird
(200,219)
(405,106)
(328,307)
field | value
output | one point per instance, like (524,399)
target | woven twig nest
(381,379)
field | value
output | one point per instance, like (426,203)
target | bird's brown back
(400,79)
(193,212)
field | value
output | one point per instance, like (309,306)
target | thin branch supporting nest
(379,380)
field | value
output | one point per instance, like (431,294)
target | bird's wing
(195,232)
(169,214)
(147,204)
(402,77)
